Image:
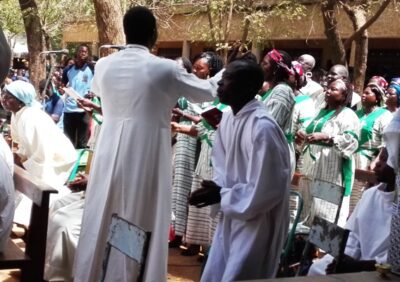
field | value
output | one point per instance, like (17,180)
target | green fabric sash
(182,103)
(289,137)
(347,164)
(218,105)
(97,117)
(301,98)
(204,137)
(319,121)
(266,94)
(80,161)
(348,175)
(367,123)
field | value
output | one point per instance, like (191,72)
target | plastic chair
(330,198)
(129,239)
(326,236)
(324,233)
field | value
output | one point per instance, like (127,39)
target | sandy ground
(180,268)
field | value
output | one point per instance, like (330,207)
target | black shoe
(176,242)
(191,250)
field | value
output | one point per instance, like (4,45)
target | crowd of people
(203,151)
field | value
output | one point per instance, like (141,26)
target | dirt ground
(180,269)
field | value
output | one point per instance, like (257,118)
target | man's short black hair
(247,76)
(140,26)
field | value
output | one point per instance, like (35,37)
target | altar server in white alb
(369,226)
(6,162)
(251,176)
(7,196)
(131,173)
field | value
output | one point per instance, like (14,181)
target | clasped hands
(301,137)
(208,194)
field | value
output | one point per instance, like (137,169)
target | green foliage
(55,14)
(253,16)
(11,17)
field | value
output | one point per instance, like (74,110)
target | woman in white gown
(43,150)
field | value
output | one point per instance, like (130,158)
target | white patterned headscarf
(23,91)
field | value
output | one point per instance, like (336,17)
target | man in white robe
(131,173)
(7,196)
(251,175)
(369,226)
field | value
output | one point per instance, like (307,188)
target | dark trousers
(76,127)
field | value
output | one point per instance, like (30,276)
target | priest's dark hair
(140,26)
(248,77)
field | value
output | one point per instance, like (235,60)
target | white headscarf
(23,91)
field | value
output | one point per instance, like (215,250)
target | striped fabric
(184,165)
(325,163)
(200,226)
(280,105)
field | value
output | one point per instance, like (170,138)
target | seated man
(65,220)
(252,173)
(369,226)
(54,104)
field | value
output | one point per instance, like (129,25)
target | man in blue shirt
(53,104)
(79,77)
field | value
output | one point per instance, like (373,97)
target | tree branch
(228,22)
(246,25)
(359,32)
(211,23)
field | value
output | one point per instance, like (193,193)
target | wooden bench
(31,262)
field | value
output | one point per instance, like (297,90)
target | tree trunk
(332,32)
(35,38)
(109,22)
(358,19)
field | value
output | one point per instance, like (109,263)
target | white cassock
(251,163)
(45,151)
(7,197)
(131,174)
(369,226)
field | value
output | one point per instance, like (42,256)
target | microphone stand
(109,46)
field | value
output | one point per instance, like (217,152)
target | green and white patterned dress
(184,165)
(333,163)
(371,135)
